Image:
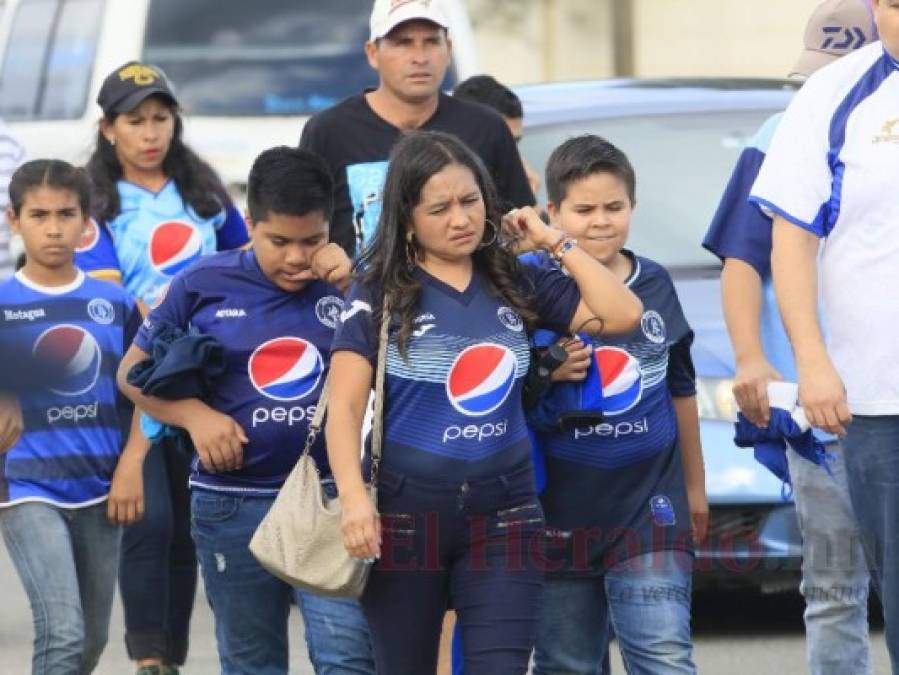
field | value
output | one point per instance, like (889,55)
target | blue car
(683,137)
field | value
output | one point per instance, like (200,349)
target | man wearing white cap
(830,174)
(410,48)
(835,576)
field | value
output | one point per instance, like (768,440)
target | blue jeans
(872,466)
(647,601)
(67,561)
(251,606)
(835,576)
(158,569)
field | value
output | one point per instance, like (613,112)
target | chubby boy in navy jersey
(625,494)
(56,480)
(273,308)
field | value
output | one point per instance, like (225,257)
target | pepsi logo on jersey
(285,369)
(90,235)
(478,383)
(75,352)
(174,245)
(622,388)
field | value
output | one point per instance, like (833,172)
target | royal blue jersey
(453,409)
(277,352)
(155,236)
(74,428)
(615,488)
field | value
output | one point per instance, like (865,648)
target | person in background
(56,515)
(830,174)
(11,156)
(158,208)
(488,91)
(835,577)
(410,47)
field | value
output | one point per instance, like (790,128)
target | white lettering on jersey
(23,314)
(230,313)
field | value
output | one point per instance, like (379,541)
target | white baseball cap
(388,14)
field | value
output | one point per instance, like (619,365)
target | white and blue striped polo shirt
(832,169)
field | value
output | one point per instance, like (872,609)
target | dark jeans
(475,546)
(158,568)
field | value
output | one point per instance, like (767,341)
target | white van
(248,73)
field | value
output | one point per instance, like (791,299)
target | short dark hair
(289,181)
(486,90)
(54,173)
(582,156)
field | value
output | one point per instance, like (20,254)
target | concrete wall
(536,40)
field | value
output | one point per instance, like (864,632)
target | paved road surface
(735,634)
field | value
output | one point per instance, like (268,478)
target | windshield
(294,57)
(683,163)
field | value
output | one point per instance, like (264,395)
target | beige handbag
(300,539)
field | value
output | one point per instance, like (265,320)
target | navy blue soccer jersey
(615,488)
(277,353)
(74,427)
(453,409)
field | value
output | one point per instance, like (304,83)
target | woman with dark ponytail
(157,208)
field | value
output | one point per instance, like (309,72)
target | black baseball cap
(129,85)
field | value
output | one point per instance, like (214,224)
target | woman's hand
(126,494)
(528,232)
(361,525)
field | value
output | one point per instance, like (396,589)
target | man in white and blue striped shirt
(831,173)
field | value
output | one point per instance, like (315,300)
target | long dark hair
(414,160)
(198,183)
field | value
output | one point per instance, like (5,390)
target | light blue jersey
(155,236)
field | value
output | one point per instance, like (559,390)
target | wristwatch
(558,251)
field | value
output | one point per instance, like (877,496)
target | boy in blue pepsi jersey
(625,494)
(274,309)
(54,482)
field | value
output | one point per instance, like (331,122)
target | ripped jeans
(251,606)
(476,546)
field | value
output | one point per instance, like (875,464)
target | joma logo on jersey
(23,314)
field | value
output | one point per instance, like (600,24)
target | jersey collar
(51,290)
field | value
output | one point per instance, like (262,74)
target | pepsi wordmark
(78,355)
(479,381)
(285,369)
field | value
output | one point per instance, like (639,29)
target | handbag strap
(378,417)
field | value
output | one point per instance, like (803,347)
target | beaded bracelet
(558,251)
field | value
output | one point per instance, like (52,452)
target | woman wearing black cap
(157,208)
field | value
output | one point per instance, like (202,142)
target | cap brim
(402,17)
(811,60)
(135,98)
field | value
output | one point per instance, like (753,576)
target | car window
(229,58)
(49,58)
(683,163)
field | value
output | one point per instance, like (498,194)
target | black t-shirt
(356,143)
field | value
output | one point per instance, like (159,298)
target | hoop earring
(486,244)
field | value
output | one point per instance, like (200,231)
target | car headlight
(715,398)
